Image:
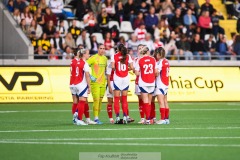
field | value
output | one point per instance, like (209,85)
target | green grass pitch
(199,131)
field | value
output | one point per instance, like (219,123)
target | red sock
(116,106)
(162,113)
(166,113)
(141,109)
(124,105)
(74,107)
(81,106)
(147,109)
(86,110)
(153,113)
(109,110)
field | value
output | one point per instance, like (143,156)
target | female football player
(121,62)
(162,82)
(146,69)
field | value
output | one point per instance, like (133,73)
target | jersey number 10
(121,67)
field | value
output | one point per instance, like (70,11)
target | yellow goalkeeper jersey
(98,64)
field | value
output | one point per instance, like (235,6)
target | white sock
(88,119)
(95,118)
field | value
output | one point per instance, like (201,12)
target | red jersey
(146,66)
(121,70)
(82,67)
(73,73)
(163,67)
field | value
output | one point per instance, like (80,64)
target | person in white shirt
(57,7)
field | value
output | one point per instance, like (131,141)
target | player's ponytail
(144,50)
(124,52)
(81,52)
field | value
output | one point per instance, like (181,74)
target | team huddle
(111,74)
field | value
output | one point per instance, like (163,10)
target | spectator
(58,42)
(54,53)
(238,25)
(236,46)
(151,21)
(42,4)
(23,26)
(184,48)
(189,18)
(123,41)
(110,8)
(96,6)
(183,8)
(49,16)
(191,30)
(74,30)
(36,28)
(139,20)
(148,42)
(207,6)
(216,29)
(39,17)
(44,43)
(222,48)
(140,32)
(205,23)
(170,46)
(210,46)
(114,33)
(68,53)
(82,7)
(69,41)
(144,8)
(162,31)
(167,9)
(133,43)
(158,43)
(19,4)
(94,45)
(49,29)
(129,11)
(32,6)
(16,15)
(177,21)
(230,8)
(119,12)
(90,22)
(109,44)
(27,16)
(84,40)
(157,5)
(194,9)
(40,54)
(103,20)
(197,48)
(10,6)
(57,7)
(61,29)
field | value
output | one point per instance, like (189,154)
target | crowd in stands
(186,30)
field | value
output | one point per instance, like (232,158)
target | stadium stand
(171,16)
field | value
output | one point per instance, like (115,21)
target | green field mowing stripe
(200,131)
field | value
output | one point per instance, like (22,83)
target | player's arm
(130,62)
(88,82)
(113,62)
(109,84)
(137,69)
(156,69)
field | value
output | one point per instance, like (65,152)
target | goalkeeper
(98,64)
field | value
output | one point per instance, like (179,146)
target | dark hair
(159,51)
(120,47)
(124,53)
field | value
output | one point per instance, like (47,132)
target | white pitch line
(43,111)
(117,129)
(121,144)
(113,139)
